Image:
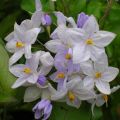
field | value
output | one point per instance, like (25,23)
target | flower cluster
(81,64)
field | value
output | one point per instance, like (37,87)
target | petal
(31,94)
(96,52)
(103,87)
(17,70)
(36,18)
(47,111)
(101,63)
(31,35)
(38,5)
(61,19)
(71,22)
(10,37)
(91,25)
(87,68)
(38,114)
(103,38)
(88,82)
(15,57)
(28,53)
(110,74)
(100,100)
(114,89)
(59,95)
(54,45)
(19,82)
(11,46)
(80,54)
(32,79)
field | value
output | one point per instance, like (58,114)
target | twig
(106,13)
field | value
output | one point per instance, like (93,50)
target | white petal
(54,45)
(96,52)
(87,68)
(28,53)
(91,25)
(61,19)
(19,82)
(17,70)
(80,54)
(71,22)
(103,87)
(10,37)
(32,79)
(110,74)
(38,5)
(88,83)
(114,89)
(103,38)
(100,100)
(31,35)
(59,95)
(17,55)
(101,64)
(11,46)
(32,93)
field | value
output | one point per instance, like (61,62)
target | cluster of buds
(82,71)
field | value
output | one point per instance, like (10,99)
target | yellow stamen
(68,56)
(105,97)
(20,44)
(98,75)
(60,75)
(89,42)
(71,96)
(27,70)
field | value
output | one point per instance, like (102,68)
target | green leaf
(6,78)
(62,111)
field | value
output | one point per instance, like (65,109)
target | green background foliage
(108,16)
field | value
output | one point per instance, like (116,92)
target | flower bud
(46,20)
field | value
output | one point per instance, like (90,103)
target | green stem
(106,13)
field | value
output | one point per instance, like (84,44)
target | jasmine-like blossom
(100,74)
(101,99)
(73,92)
(21,43)
(43,109)
(29,72)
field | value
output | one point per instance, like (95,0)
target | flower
(82,18)
(101,98)
(90,41)
(73,92)
(100,74)
(43,109)
(21,43)
(29,72)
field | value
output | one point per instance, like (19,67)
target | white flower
(90,42)
(29,72)
(101,98)
(35,92)
(21,43)
(73,92)
(100,74)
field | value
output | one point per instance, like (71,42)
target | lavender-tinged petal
(47,112)
(42,80)
(82,18)
(46,20)
(38,114)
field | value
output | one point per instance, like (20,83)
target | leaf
(7,94)
(62,111)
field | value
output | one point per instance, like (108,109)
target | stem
(65,7)
(106,13)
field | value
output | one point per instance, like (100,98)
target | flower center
(20,44)
(89,41)
(105,97)
(71,96)
(68,56)
(27,70)
(98,75)
(60,75)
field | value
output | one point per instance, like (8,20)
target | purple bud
(46,20)
(42,80)
(82,18)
